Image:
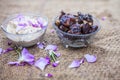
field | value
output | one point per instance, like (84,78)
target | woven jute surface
(106,45)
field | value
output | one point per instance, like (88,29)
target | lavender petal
(41,45)
(55,64)
(52,31)
(58,54)
(48,59)
(14,63)
(19,28)
(90,58)
(1,50)
(26,56)
(104,18)
(51,47)
(8,50)
(35,25)
(42,63)
(42,22)
(76,63)
(19,17)
(49,75)
(22,24)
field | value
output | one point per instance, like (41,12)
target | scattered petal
(48,75)
(55,64)
(52,31)
(42,63)
(17,63)
(51,47)
(104,18)
(90,58)
(82,61)
(8,50)
(41,45)
(1,50)
(58,54)
(25,58)
(13,63)
(76,63)
(48,58)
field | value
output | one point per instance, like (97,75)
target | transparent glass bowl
(25,40)
(75,40)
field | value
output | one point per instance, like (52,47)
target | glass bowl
(25,40)
(75,40)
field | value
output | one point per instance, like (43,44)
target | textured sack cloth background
(106,44)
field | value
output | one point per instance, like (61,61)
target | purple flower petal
(22,24)
(51,47)
(82,61)
(76,63)
(55,64)
(104,18)
(48,59)
(42,22)
(35,25)
(19,28)
(30,23)
(8,50)
(17,63)
(90,58)
(14,63)
(42,63)
(1,50)
(26,56)
(19,17)
(52,31)
(41,45)
(58,54)
(48,75)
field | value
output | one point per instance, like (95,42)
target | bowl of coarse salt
(25,29)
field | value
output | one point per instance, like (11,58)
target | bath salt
(24,26)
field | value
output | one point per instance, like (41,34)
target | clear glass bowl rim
(27,14)
(79,35)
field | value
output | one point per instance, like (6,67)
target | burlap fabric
(106,44)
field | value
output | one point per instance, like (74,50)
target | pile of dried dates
(76,24)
